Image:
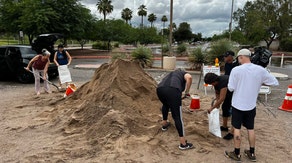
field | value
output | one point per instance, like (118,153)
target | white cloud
(206,16)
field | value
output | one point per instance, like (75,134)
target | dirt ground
(108,122)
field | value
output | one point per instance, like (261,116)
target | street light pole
(170,28)
(230,24)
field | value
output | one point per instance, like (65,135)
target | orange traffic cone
(287,103)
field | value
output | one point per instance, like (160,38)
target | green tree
(148,35)
(127,14)
(183,33)
(197,37)
(71,17)
(152,18)
(85,29)
(36,17)
(142,11)
(264,20)
(35,20)
(105,7)
(10,11)
(218,48)
(164,19)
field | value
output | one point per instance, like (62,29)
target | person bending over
(169,92)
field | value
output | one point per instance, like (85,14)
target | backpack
(261,56)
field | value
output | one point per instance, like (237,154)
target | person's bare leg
(164,122)
(251,138)
(182,140)
(225,120)
(231,130)
(60,84)
(237,138)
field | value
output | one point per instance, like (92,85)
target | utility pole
(230,24)
(170,28)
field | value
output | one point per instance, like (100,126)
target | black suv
(13,59)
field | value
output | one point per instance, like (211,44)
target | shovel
(44,79)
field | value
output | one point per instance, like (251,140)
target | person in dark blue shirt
(62,58)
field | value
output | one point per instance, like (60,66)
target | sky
(208,17)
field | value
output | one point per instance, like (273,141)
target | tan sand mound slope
(119,100)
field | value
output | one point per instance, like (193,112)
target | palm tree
(152,18)
(164,19)
(127,14)
(105,7)
(142,12)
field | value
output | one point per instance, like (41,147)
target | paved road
(287,71)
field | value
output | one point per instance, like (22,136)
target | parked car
(13,59)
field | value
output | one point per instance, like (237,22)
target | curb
(109,57)
(280,76)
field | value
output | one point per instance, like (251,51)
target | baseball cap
(244,52)
(228,53)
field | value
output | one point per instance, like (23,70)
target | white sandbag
(214,123)
(64,74)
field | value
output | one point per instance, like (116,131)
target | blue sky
(206,16)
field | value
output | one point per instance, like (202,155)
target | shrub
(218,48)
(197,58)
(143,55)
(165,48)
(101,45)
(116,45)
(286,44)
(119,56)
(181,49)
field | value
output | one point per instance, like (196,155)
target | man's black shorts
(245,118)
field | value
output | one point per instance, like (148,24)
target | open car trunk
(46,41)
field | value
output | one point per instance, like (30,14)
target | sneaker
(165,127)
(229,136)
(186,146)
(250,156)
(232,156)
(223,128)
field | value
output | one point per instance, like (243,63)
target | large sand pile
(119,102)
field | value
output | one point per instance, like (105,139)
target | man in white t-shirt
(245,82)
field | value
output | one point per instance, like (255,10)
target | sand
(115,117)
